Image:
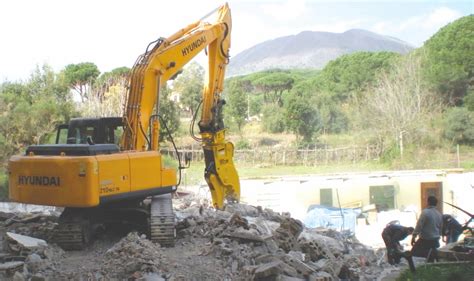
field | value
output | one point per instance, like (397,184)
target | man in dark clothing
(451,229)
(392,235)
(428,228)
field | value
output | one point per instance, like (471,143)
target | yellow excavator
(106,170)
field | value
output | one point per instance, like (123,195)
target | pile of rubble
(241,242)
(27,258)
(130,256)
(261,244)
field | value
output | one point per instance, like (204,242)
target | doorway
(432,189)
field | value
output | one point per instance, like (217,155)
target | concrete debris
(11,265)
(134,253)
(26,241)
(241,242)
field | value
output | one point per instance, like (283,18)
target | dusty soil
(241,243)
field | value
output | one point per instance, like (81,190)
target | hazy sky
(113,33)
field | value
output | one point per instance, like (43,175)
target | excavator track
(162,221)
(73,232)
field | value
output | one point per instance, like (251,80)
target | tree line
(393,101)
(422,99)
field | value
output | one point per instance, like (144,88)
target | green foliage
(302,118)
(169,113)
(190,84)
(3,185)
(169,162)
(273,85)
(449,64)
(255,105)
(108,79)
(236,107)
(468,100)
(32,110)
(242,144)
(353,73)
(459,126)
(81,76)
(390,153)
(273,118)
(440,272)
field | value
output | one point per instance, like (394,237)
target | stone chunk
(246,235)
(268,269)
(26,241)
(11,265)
(299,265)
(289,278)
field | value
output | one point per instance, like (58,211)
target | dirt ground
(241,243)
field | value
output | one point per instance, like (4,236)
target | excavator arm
(160,63)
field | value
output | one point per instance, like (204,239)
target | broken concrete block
(26,241)
(300,266)
(37,277)
(34,262)
(11,265)
(271,245)
(238,221)
(336,247)
(266,258)
(289,278)
(320,276)
(297,255)
(244,235)
(268,269)
(19,276)
(289,271)
(243,209)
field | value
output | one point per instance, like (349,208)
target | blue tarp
(330,217)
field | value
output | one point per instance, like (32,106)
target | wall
(296,194)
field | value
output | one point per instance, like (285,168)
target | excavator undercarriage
(153,217)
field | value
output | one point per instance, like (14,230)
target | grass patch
(3,185)
(440,272)
(195,174)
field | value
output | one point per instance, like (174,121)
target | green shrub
(459,126)
(3,186)
(242,144)
(440,272)
(273,119)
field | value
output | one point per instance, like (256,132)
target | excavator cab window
(113,134)
(82,134)
(61,135)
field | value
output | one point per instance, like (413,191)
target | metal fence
(288,156)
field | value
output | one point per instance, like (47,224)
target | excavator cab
(90,131)
(84,136)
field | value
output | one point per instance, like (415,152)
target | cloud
(291,9)
(432,21)
(417,28)
(440,17)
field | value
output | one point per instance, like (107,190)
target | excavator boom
(155,67)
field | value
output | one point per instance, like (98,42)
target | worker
(451,229)
(392,235)
(428,228)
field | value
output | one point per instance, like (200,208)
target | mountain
(311,49)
